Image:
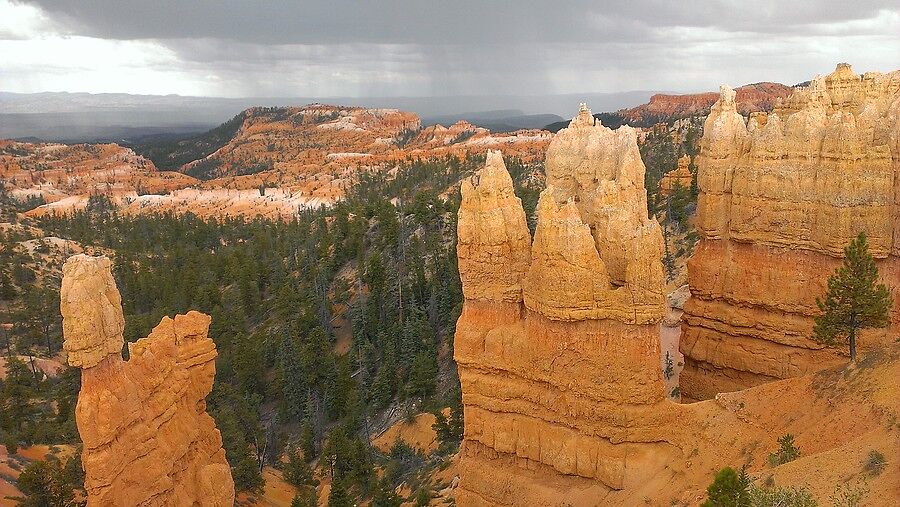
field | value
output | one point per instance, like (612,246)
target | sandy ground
(49,367)
(418,434)
(12,466)
(277,492)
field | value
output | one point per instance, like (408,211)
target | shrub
(786,453)
(11,443)
(669,370)
(423,497)
(781,497)
(729,489)
(846,495)
(875,462)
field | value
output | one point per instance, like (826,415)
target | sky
(366,48)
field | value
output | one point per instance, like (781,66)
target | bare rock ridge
(663,108)
(147,437)
(781,194)
(558,342)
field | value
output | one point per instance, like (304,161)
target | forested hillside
(329,327)
(170,154)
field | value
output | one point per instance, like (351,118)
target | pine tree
(307,441)
(854,300)
(441,427)
(298,472)
(729,489)
(422,375)
(457,427)
(7,289)
(47,483)
(338,496)
(385,496)
(293,385)
(305,498)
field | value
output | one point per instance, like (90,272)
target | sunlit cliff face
(781,194)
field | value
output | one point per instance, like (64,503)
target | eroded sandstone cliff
(268,162)
(558,343)
(147,437)
(65,175)
(559,355)
(781,195)
(664,107)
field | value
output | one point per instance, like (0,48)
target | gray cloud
(440,47)
(436,22)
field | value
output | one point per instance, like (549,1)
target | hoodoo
(558,342)
(781,195)
(147,437)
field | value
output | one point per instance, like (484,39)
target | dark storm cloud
(467,47)
(435,22)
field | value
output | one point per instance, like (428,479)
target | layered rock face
(269,162)
(64,175)
(663,107)
(781,195)
(293,143)
(147,437)
(558,342)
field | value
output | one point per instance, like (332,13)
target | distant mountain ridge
(504,120)
(664,107)
(311,138)
(117,117)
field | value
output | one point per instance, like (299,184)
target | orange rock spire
(148,440)
(561,385)
(680,176)
(780,197)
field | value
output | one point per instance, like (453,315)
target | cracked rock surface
(147,437)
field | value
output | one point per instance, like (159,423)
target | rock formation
(64,175)
(268,162)
(665,108)
(781,195)
(558,342)
(288,144)
(494,244)
(147,437)
(680,176)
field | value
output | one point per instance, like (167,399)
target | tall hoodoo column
(494,244)
(558,343)
(781,195)
(147,438)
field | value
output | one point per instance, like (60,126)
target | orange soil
(418,434)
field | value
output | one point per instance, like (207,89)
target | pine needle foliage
(854,301)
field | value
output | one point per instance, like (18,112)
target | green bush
(846,495)
(786,453)
(781,497)
(729,489)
